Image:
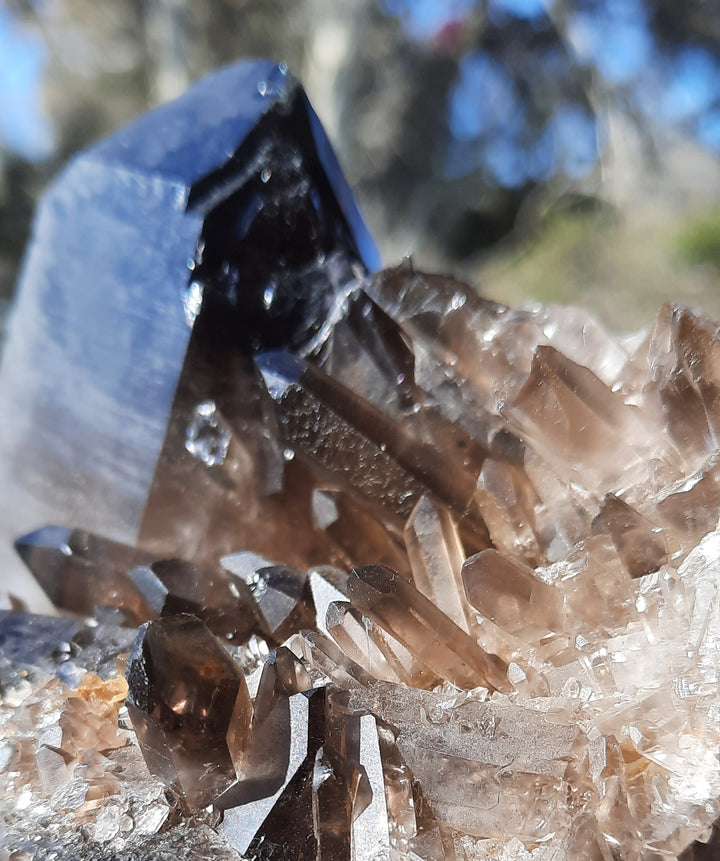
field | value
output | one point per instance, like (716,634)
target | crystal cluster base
(538,675)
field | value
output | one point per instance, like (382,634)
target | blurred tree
(20,183)
(455,119)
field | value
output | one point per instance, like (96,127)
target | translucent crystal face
(510,649)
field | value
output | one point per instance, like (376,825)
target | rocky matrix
(521,664)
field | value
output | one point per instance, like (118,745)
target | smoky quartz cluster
(350,564)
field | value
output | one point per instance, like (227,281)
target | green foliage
(620,266)
(699,242)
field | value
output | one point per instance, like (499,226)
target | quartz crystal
(421,576)
(218,223)
(189,705)
(80,571)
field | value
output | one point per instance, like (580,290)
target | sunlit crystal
(429,577)
(80,571)
(186,694)
(207,436)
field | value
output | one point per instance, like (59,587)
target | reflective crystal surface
(215,225)
(189,705)
(421,576)
(80,571)
(278,592)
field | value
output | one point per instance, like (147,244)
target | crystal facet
(453,568)
(227,204)
(185,692)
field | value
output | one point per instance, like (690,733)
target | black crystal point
(214,225)
(278,248)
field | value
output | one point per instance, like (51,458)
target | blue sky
(23,127)
(676,89)
(485,116)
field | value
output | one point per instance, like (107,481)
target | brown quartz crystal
(469,608)
(190,707)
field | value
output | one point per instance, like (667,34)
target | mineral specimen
(218,222)
(189,705)
(452,586)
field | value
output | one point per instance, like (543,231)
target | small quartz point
(350,630)
(372,647)
(80,571)
(324,660)
(511,596)
(292,674)
(394,604)
(366,351)
(174,586)
(595,583)
(436,558)
(641,547)
(689,507)
(574,420)
(279,825)
(378,651)
(340,790)
(510,506)
(685,372)
(326,585)
(261,756)
(399,797)
(447,318)
(184,694)
(279,594)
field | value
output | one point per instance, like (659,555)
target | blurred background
(559,150)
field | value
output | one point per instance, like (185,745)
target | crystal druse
(354,564)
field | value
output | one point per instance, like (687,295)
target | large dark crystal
(214,225)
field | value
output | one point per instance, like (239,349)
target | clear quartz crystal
(436,557)
(208,436)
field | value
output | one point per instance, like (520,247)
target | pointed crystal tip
(279,370)
(47,537)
